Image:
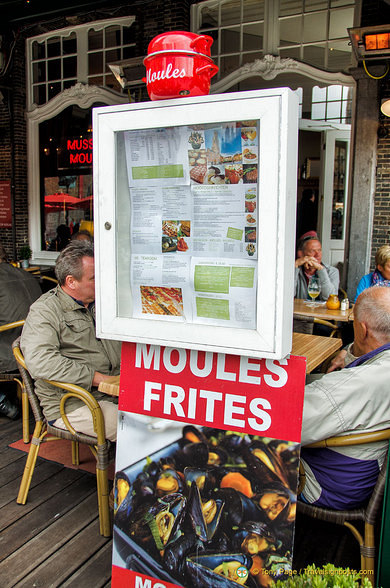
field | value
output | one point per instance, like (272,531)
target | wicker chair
(43,431)
(14,377)
(369,514)
(304,324)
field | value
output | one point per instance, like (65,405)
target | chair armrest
(354,439)
(74,391)
(13,325)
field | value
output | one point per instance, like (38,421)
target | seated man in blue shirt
(353,399)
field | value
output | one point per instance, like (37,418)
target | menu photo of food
(250,206)
(250,219)
(249,136)
(213,508)
(250,173)
(215,175)
(250,249)
(160,300)
(249,154)
(250,235)
(168,244)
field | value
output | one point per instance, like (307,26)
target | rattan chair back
(43,431)
(369,514)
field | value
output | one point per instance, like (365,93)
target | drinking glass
(313,289)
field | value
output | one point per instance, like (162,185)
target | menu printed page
(194,219)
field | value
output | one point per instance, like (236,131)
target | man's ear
(70,282)
(364,330)
(299,253)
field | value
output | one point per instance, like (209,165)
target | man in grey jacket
(59,343)
(309,263)
(18,289)
(352,399)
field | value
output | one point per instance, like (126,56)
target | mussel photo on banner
(212,508)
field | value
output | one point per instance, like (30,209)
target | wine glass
(313,289)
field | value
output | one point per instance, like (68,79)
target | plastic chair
(43,431)
(14,377)
(369,514)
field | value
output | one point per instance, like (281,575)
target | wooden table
(316,349)
(320,311)
(112,389)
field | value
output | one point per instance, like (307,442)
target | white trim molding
(269,67)
(81,95)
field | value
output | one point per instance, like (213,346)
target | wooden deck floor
(54,539)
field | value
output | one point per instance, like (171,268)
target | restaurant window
(60,59)
(313,32)
(333,103)
(66,176)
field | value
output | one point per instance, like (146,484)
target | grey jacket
(18,290)
(329,281)
(59,343)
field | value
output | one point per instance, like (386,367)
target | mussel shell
(207,478)
(268,468)
(143,487)
(192,434)
(193,454)
(260,530)
(145,520)
(235,442)
(239,508)
(169,481)
(217,456)
(124,502)
(175,553)
(200,569)
(195,510)
(274,502)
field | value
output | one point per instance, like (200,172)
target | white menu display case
(194,218)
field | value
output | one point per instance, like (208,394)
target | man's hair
(70,260)
(373,308)
(3,254)
(82,235)
(303,242)
(382,256)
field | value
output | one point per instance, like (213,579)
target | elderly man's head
(75,271)
(310,246)
(372,318)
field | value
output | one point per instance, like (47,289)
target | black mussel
(265,464)
(166,462)
(254,537)
(175,553)
(143,488)
(279,568)
(217,456)
(234,442)
(238,508)
(222,570)
(206,478)
(275,502)
(160,523)
(168,482)
(152,469)
(205,516)
(122,486)
(192,434)
(193,454)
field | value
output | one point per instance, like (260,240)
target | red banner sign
(5,205)
(122,578)
(230,392)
